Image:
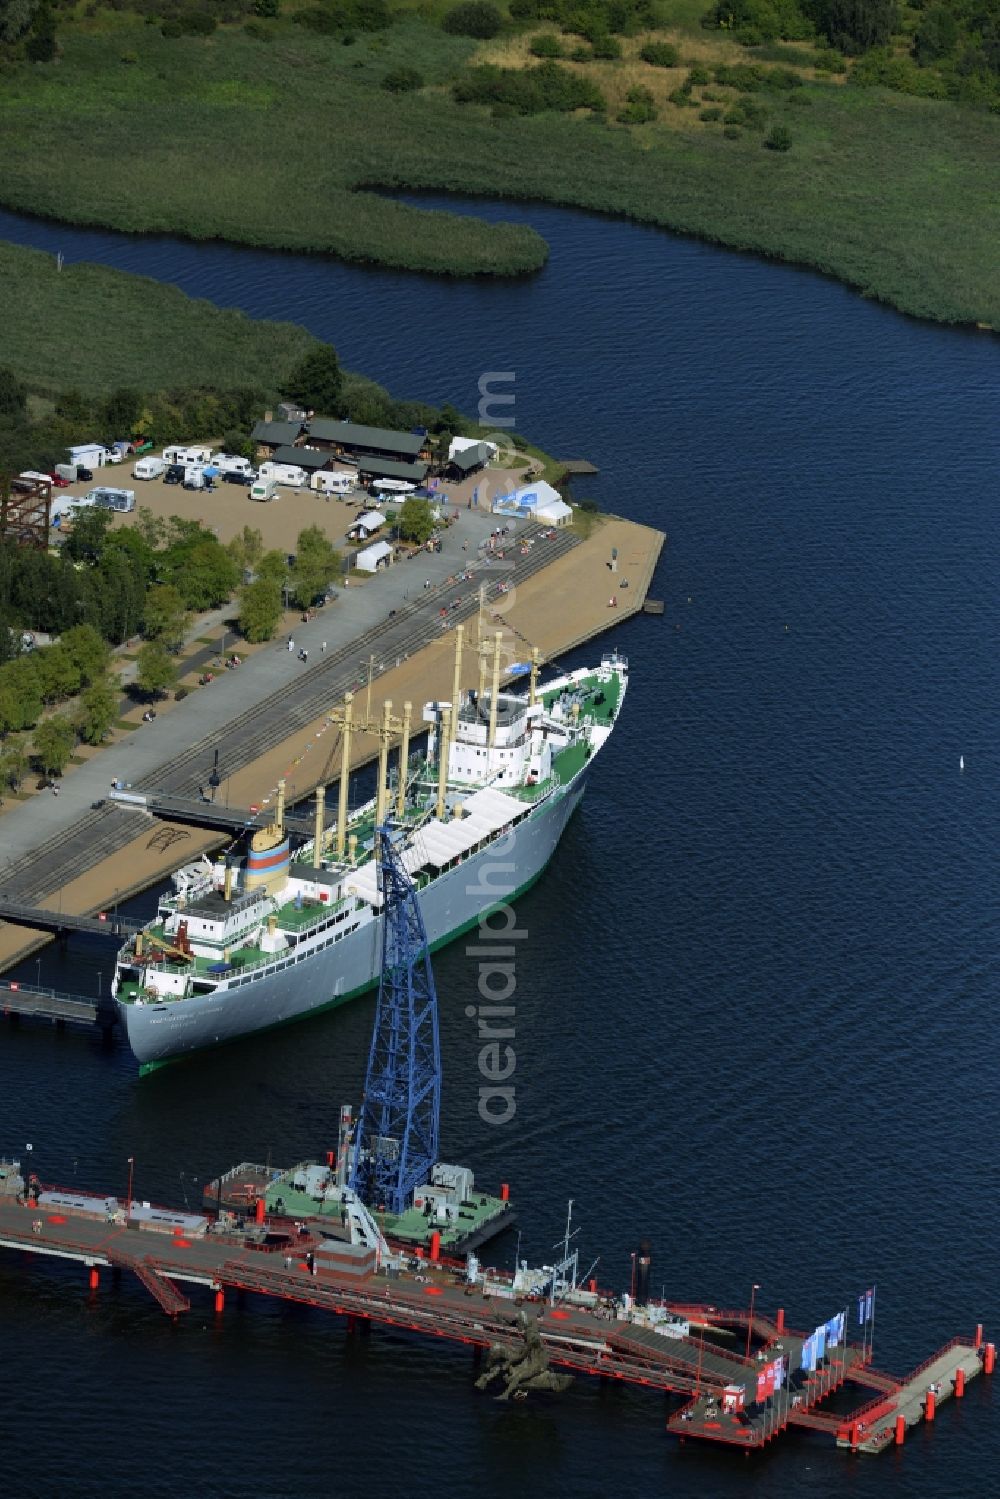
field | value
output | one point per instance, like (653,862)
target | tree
(87,651)
(155,669)
(58,673)
(416,520)
(52,744)
(97,710)
(120,412)
(86,541)
(247,549)
(853,26)
(273,567)
(317,382)
(237,444)
(15,18)
(260,610)
(474,18)
(316,564)
(779,139)
(166,617)
(936,36)
(41,44)
(13,394)
(13,764)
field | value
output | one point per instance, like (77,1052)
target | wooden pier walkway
(34,1002)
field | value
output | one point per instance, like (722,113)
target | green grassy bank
(93,329)
(272,143)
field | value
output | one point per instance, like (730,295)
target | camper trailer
(288,474)
(148,468)
(323,482)
(112,499)
(194,476)
(264,490)
(187,456)
(231,463)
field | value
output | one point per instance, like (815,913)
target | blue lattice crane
(396,1142)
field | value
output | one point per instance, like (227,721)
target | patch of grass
(123,723)
(104,329)
(889,192)
(204,640)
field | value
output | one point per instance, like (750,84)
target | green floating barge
(449,1206)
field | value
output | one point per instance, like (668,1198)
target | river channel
(756,1006)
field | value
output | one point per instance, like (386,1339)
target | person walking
(323,649)
(291,645)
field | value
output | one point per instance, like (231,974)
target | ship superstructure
(264,935)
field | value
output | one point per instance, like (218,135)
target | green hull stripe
(343,999)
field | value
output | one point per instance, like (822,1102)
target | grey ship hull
(302,985)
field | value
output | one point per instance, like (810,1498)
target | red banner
(762,1385)
(769,1377)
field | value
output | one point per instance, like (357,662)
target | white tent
(556,512)
(379,554)
(367,524)
(527,501)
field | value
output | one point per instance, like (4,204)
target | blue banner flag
(840,1320)
(779,1372)
(869,1304)
(861,1309)
(831,1333)
(819,1339)
(808,1354)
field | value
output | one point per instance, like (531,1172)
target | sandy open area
(227,508)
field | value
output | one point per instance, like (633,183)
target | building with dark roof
(311,459)
(469,460)
(269,436)
(354,440)
(388,468)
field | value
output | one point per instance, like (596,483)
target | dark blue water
(755,1012)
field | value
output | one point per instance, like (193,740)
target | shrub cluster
(639,108)
(528,91)
(592,19)
(476,18)
(660,54)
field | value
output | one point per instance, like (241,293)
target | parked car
(58,482)
(86,474)
(234,476)
(174,474)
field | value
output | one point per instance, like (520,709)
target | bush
(402,81)
(829,61)
(779,139)
(477,18)
(783,78)
(172,28)
(732,132)
(581,54)
(698,76)
(267,8)
(528,90)
(607,48)
(660,54)
(715,113)
(196,23)
(546,44)
(640,108)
